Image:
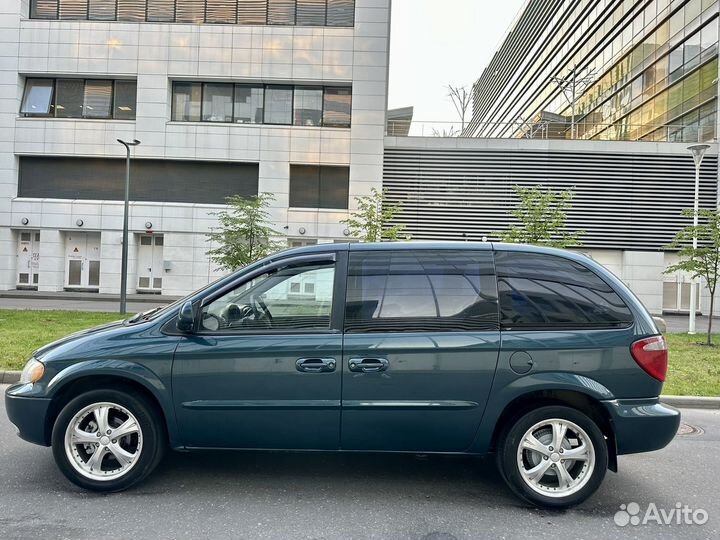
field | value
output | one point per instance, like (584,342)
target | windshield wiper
(144,315)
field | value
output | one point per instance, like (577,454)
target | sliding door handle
(368,365)
(315,365)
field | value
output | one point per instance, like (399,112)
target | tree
(703,261)
(541,213)
(461,99)
(245,234)
(445,132)
(370,222)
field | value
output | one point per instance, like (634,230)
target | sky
(434,44)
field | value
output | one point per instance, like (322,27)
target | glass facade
(640,70)
(309,106)
(255,12)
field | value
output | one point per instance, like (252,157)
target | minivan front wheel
(554,456)
(107,440)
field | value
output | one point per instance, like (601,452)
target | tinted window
(548,291)
(217,103)
(319,187)
(416,291)
(297,297)
(248,104)
(337,107)
(186,102)
(278,104)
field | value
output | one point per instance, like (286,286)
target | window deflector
(272,267)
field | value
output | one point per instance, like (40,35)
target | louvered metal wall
(629,200)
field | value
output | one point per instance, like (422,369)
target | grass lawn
(694,368)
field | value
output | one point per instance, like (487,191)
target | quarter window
(421,291)
(296,297)
(538,291)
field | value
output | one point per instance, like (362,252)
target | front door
(82,251)
(150,263)
(28,260)
(263,368)
(420,349)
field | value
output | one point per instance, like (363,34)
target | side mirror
(186,318)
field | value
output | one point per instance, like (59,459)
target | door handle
(368,365)
(315,365)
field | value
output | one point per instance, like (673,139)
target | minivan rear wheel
(107,440)
(554,456)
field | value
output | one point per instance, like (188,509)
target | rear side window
(420,291)
(547,291)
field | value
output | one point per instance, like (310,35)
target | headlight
(32,372)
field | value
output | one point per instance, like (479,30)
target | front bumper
(28,415)
(642,425)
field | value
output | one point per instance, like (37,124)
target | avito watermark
(681,514)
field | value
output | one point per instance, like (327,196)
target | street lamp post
(124,264)
(698,152)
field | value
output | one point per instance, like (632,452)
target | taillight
(651,354)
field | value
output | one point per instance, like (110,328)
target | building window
(186,102)
(324,187)
(217,105)
(255,12)
(308,106)
(38,97)
(256,104)
(79,98)
(337,107)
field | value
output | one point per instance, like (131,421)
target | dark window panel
(281,12)
(278,105)
(186,102)
(101,10)
(125,99)
(248,104)
(132,10)
(73,9)
(38,97)
(341,12)
(217,103)
(252,12)
(161,10)
(337,108)
(190,11)
(308,104)
(548,291)
(421,291)
(154,180)
(97,99)
(221,11)
(310,13)
(69,95)
(334,187)
(44,9)
(304,186)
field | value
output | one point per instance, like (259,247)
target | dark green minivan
(539,356)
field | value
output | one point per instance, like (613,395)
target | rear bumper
(28,415)
(642,425)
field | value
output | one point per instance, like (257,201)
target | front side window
(421,291)
(292,298)
(38,97)
(541,291)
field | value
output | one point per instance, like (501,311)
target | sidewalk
(678,324)
(78,301)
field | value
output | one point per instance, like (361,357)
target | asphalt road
(320,496)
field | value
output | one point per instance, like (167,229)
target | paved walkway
(79,301)
(678,324)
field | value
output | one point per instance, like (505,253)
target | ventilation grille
(622,201)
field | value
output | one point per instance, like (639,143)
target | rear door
(420,349)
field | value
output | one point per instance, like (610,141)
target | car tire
(108,440)
(538,471)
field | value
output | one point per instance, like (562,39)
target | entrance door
(82,251)
(28,259)
(150,263)
(420,349)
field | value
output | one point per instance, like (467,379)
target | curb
(691,402)
(9,377)
(682,402)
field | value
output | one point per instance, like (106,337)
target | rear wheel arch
(580,401)
(72,389)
